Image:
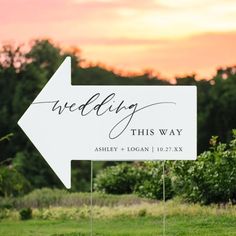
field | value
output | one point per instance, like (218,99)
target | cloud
(138,4)
(168,35)
(119,41)
(200,54)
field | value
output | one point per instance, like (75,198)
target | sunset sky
(173,37)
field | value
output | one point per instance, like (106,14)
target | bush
(26,214)
(145,179)
(150,184)
(212,178)
(119,179)
(12,183)
(142,212)
(6,203)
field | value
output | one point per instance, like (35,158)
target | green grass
(135,226)
(113,216)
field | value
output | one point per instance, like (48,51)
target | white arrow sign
(68,122)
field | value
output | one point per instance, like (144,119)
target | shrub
(119,179)
(150,184)
(25,214)
(142,212)
(212,178)
(12,183)
(6,203)
(145,179)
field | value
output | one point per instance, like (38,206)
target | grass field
(115,216)
(135,226)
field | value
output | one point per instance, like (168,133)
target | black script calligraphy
(100,108)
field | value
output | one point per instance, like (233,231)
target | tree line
(23,73)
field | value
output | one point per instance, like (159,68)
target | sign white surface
(68,122)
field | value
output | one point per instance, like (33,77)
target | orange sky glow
(172,37)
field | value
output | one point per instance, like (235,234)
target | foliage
(23,75)
(81,175)
(25,214)
(6,203)
(216,105)
(37,168)
(150,184)
(119,179)
(145,179)
(142,212)
(212,178)
(12,183)
(6,137)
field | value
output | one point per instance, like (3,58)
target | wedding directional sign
(67,122)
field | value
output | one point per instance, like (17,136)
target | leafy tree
(12,183)
(210,179)
(222,104)
(144,179)
(119,179)
(23,75)
(150,184)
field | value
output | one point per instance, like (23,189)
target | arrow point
(63,74)
(68,59)
(62,169)
(33,124)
